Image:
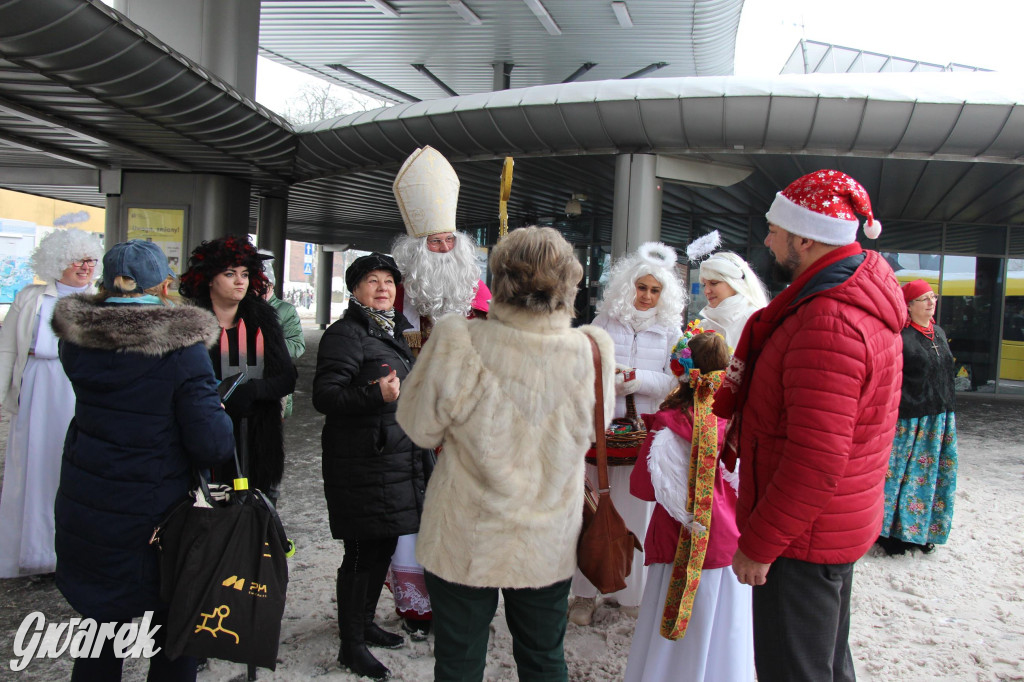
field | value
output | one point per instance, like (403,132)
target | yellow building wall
(50,212)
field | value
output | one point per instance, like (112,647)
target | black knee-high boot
(352,588)
(373,634)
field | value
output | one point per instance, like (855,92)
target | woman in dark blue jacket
(147,414)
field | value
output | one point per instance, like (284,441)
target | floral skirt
(921,481)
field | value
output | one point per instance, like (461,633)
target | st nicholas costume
(426,190)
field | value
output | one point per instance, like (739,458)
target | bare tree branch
(321,101)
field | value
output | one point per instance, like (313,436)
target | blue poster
(17,241)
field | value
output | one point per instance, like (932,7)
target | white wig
(727,267)
(59,248)
(659,261)
(438,283)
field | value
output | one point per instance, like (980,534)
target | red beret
(915,289)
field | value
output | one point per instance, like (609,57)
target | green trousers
(536,618)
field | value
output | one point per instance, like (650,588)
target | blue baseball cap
(141,260)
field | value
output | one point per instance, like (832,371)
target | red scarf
(731,397)
(928,332)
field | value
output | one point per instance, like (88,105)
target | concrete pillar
(220,35)
(213,206)
(324,272)
(636,211)
(270,234)
(112,222)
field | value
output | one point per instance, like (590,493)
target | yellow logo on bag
(255,589)
(222,612)
(235,582)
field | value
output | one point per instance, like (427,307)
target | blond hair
(124,287)
(535,269)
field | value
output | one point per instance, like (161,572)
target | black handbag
(224,573)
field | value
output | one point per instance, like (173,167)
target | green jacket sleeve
(292,327)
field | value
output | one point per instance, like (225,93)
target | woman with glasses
(39,399)
(921,481)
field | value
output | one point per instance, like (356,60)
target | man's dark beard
(781,273)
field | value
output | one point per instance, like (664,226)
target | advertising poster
(163,226)
(17,241)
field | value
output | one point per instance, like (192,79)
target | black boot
(373,634)
(418,629)
(892,546)
(352,589)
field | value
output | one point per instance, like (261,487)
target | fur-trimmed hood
(148,329)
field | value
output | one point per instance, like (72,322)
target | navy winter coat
(373,474)
(146,413)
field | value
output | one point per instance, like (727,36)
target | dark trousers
(107,668)
(802,623)
(363,553)
(462,617)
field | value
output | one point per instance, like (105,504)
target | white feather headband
(702,246)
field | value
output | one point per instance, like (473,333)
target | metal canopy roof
(812,56)
(690,37)
(906,137)
(82,89)
(81,86)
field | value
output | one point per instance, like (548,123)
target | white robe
(35,445)
(719,642)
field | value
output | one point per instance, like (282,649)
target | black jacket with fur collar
(147,412)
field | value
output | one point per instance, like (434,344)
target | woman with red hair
(225,276)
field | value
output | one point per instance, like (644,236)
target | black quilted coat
(373,474)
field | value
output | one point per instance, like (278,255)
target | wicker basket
(624,438)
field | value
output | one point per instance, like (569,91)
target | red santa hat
(823,206)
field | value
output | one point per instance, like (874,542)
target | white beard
(438,283)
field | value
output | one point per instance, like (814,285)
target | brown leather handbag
(604,552)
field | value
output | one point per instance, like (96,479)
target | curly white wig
(659,261)
(727,267)
(438,283)
(57,249)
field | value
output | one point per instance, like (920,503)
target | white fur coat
(511,398)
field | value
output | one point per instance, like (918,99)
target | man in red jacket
(814,392)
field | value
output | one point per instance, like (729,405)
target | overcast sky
(981,33)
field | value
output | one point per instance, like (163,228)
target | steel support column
(270,234)
(324,272)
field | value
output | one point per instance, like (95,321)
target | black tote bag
(225,575)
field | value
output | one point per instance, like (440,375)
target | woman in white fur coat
(642,311)
(734,293)
(512,400)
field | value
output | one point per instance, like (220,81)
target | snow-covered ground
(957,614)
